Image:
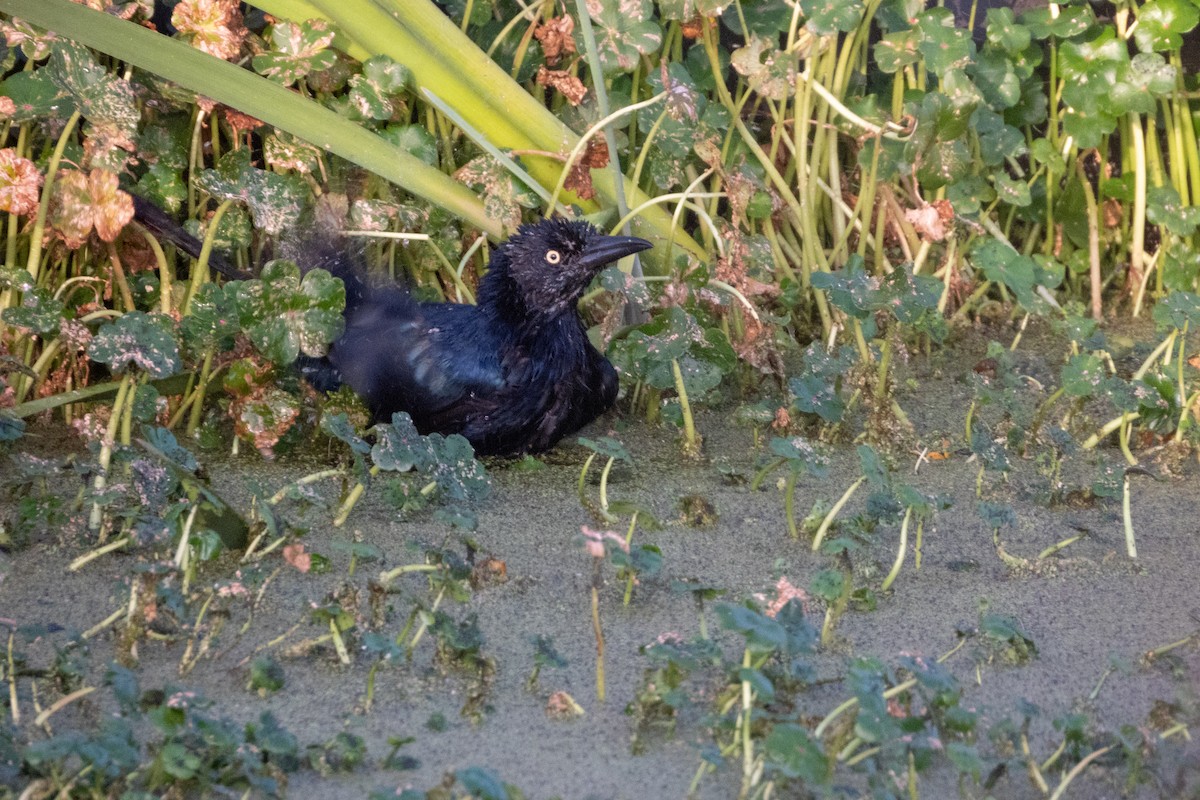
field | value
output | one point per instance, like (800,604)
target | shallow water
(1087,607)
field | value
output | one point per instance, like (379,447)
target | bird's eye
(553,257)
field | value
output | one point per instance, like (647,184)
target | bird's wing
(431,360)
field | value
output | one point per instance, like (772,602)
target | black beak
(601,250)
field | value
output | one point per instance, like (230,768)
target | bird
(514,373)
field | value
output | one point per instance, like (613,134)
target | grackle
(513,374)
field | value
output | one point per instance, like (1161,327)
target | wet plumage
(513,373)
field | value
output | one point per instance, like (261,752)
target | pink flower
(594,541)
(784,593)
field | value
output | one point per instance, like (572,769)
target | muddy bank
(1091,612)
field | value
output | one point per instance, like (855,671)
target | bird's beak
(601,250)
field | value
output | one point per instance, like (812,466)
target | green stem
(1127,519)
(900,552)
(583,478)
(833,512)
(691,440)
(38,234)
(106,447)
(604,490)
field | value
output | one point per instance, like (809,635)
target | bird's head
(550,263)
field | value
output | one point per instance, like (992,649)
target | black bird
(513,374)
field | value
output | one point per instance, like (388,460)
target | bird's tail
(163,226)
(313,251)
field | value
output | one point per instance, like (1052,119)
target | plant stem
(833,512)
(598,631)
(691,440)
(900,552)
(106,447)
(1127,519)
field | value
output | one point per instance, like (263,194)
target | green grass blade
(253,95)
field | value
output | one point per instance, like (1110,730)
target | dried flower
(90,200)
(20,183)
(294,554)
(561,705)
(555,38)
(213,26)
(568,85)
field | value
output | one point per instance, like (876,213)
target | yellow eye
(553,257)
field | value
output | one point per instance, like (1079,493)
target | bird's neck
(505,305)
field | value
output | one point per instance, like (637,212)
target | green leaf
(852,290)
(997,79)
(965,758)
(284,315)
(1004,31)
(608,447)
(800,453)
(969,194)
(767,69)
(163,185)
(646,559)
(106,102)
(136,339)
(275,200)
(873,468)
(1008,630)
(164,444)
(942,44)
(909,296)
(1063,22)
(376,92)
(36,97)
(1180,268)
(482,783)
(1089,70)
(457,473)
(990,452)
(297,48)
(944,163)
(704,355)
(414,140)
(1083,375)
(39,312)
(338,426)
(998,141)
(828,584)
(1162,23)
(813,394)
(1164,207)
(1140,83)
(1044,152)
(266,674)
(1013,191)
(895,51)
(827,17)
(997,515)
(760,684)
(624,32)
(763,634)
(399,447)
(1001,264)
(212,321)
(790,750)
(1179,309)
(762,17)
